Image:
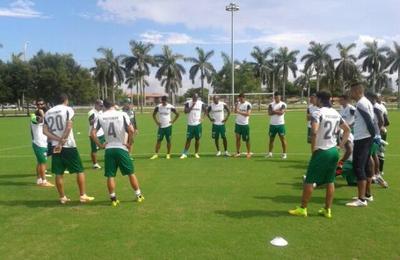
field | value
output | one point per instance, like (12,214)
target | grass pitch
(219,208)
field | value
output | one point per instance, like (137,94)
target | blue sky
(81,26)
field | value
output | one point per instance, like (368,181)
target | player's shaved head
(324,98)
(107,103)
(164,98)
(195,96)
(216,99)
(356,91)
(62,98)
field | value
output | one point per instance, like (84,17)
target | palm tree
(394,63)
(140,61)
(100,77)
(113,70)
(170,71)
(303,82)
(201,64)
(382,79)
(374,59)
(262,66)
(319,58)
(286,61)
(346,69)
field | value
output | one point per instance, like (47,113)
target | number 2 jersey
(115,125)
(56,120)
(329,120)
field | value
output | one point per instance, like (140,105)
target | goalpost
(259,101)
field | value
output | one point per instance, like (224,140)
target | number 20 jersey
(56,120)
(329,120)
(115,125)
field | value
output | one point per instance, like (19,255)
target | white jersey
(217,112)
(93,115)
(329,120)
(56,120)
(310,110)
(38,137)
(164,114)
(115,125)
(243,107)
(360,126)
(348,113)
(277,119)
(194,116)
(381,107)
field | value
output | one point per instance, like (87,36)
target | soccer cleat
(370,198)
(140,198)
(284,156)
(66,172)
(46,184)
(154,157)
(48,175)
(325,212)
(298,211)
(197,156)
(96,166)
(85,198)
(374,179)
(183,156)
(357,203)
(64,200)
(218,154)
(237,155)
(115,203)
(227,154)
(381,181)
(248,155)
(269,155)
(168,156)
(39,181)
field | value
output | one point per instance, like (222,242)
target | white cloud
(21,9)
(169,38)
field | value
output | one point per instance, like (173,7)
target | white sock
(112,195)
(137,192)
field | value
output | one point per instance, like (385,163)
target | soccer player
(277,110)
(325,155)
(116,126)
(216,114)
(193,108)
(381,106)
(242,129)
(312,107)
(93,115)
(39,143)
(347,111)
(58,128)
(364,133)
(164,123)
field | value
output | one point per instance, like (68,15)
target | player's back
(115,125)
(56,119)
(329,120)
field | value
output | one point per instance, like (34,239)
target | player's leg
(93,154)
(127,168)
(237,137)
(246,138)
(58,168)
(160,137)
(110,170)
(215,136)
(348,150)
(284,146)
(168,135)
(272,134)
(189,137)
(197,136)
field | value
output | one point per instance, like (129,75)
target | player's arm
(247,113)
(49,134)
(176,113)
(281,111)
(187,108)
(134,122)
(346,133)
(40,117)
(131,132)
(228,113)
(308,114)
(368,121)
(91,119)
(155,116)
(270,110)
(93,135)
(208,114)
(314,131)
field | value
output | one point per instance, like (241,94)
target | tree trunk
(137,95)
(144,94)
(284,89)
(317,81)
(398,88)
(113,94)
(141,98)
(373,82)
(106,90)
(132,95)
(202,85)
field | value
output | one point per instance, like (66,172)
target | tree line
(47,74)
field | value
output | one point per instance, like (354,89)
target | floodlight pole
(232,7)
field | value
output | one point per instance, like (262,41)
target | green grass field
(220,208)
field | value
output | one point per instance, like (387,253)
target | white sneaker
(64,200)
(381,181)
(197,156)
(227,154)
(48,175)
(39,181)
(357,203)
(66,172)
(269,155)
(218,154)
(183,156)
(370,198)
(238,155)
(374,179)
(85,198)
(284,156)
(96,166)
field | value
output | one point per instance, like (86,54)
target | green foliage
(189,93)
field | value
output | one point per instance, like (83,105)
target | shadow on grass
(290,199)
(51,204)
(288,163)
(10,176)
(12,183)
(252,213)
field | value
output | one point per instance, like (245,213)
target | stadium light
(232,7)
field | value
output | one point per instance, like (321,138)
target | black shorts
(361,162)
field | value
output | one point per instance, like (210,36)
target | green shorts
(348,173)
(164,132)
(40,153)
(322,166)
(374,149)
(217,131)
(93,145)
(117,158)
(68,159)
(243,131)
(277,129)
(194,131)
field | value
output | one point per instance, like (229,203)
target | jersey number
(330,129)
(111,130)
(55,123)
